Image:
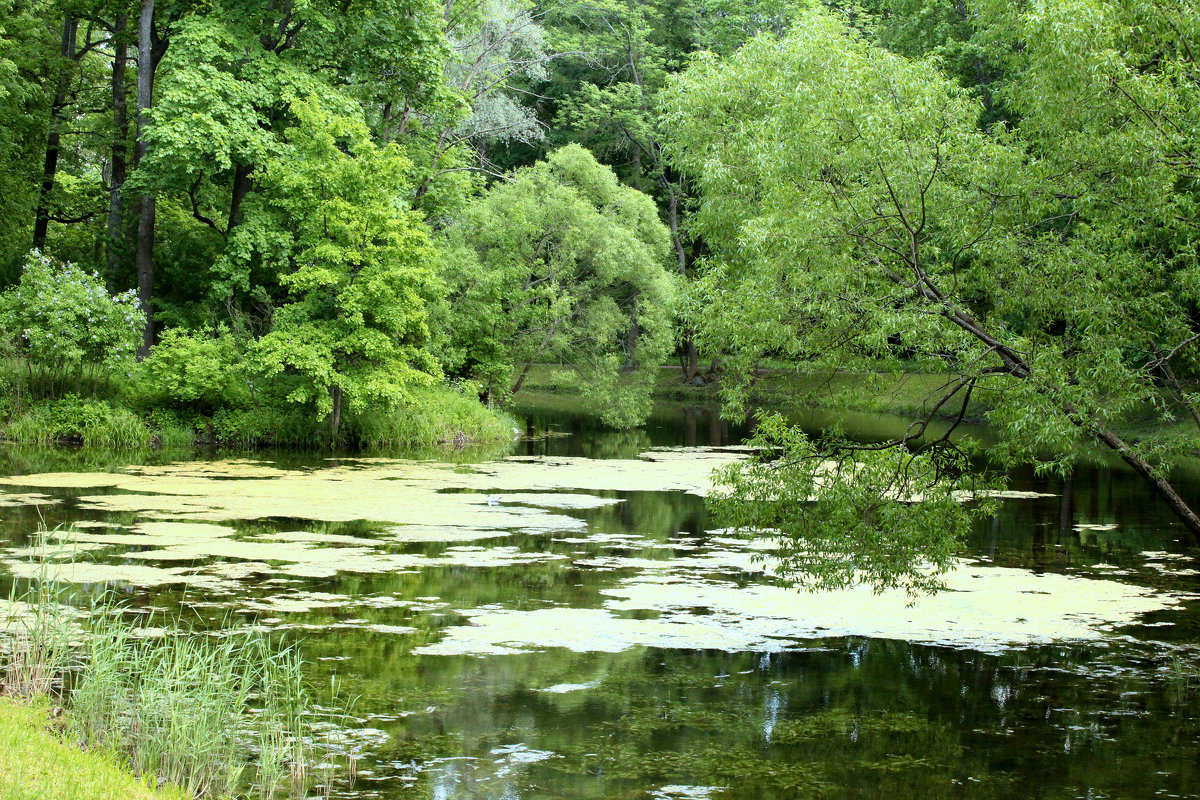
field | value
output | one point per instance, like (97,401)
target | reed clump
(36,632)
(78,420)
(441,415)
(219,714)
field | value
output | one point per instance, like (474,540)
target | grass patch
(219,714)
(76,420)
(37,765)
(436,416)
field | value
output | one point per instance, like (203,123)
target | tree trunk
(693,357)
(1016,366)
(1161,485)
(632,337)
(145,233)
(525,372)
(335,416)
(116,208)
(41,224)
(681,256)
(241,187)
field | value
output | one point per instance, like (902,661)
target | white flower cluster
(66,315)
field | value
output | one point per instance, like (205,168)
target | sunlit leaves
(561,263)
(355,266)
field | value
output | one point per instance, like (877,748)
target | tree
(223,113)
(354,263)
(561,264)
(619,56)
(497,50)
(21,130)
(868,205)
(151,48)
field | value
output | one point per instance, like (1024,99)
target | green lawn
(36,765)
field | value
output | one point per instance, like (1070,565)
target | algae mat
(199,525)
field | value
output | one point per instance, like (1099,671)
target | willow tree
(561,264)
(852,203)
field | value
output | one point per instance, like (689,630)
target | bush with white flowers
(61,318)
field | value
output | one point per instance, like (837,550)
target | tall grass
(36,650)
(192,709)
(434,416)
(85,421)
(220,714)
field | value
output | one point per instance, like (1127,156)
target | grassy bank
(431,417)
(219,714)
(36,764)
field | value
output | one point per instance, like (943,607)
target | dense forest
(297,221)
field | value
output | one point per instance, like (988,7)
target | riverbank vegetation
(216,713)
(276,223)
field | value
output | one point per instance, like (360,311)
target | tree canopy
(858,213)
(561,264)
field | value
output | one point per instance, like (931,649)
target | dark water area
(588,714)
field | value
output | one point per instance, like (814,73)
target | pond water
(561,620)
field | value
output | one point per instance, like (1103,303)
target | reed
(84,421)
(214,715)
(433,416)
(220,714)
(36,649)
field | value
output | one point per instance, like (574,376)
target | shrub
(171,430)
(194,370)
(63,323)
(288,426)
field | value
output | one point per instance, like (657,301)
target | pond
(561,619)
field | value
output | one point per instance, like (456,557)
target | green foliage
(856,516)
(798,228)
(561,263)
(170,431)
(870,219)
(275,425)
(431,416)
(181,707)
(63,320)
(195,370)
(427,417)
(922,29)
(21,128)
(498,51)
(354,328)
(79,420)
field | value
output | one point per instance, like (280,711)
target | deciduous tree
(561,264)
(851,197)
